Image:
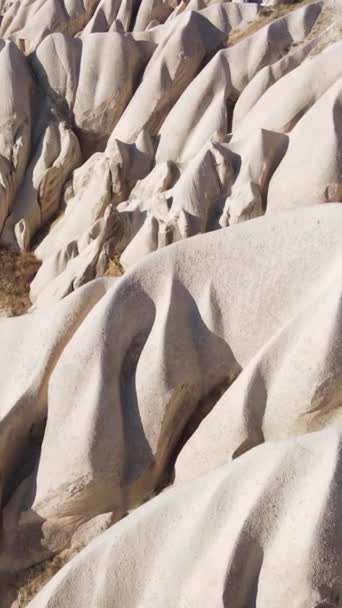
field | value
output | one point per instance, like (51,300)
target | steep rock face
(27,23)
(91,79)
(298,90)
(202,114)
(321,165)
(171,68)
(15,119)
(204,103)
(129,130)
(110,16)
(38,198)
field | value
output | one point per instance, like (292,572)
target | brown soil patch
(16,273)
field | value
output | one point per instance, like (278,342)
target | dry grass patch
(25,585)
(114,268)
(266,15)
(16,273)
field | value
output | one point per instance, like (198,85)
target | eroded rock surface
(172,171)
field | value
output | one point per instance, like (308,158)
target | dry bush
(29,582)
(114,268)
(16,273)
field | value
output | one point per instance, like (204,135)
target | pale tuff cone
(171,304)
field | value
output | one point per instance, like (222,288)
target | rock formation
(176,421)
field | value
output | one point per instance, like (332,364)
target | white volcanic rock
(190,207)
(297,90)
(112,175)
(79,262)
(171,68)
(23,414)
(226,16)
(254,159)
(15,120)
(200,113)
(39,196)
(325,31)
(128,127)
(202,110)
(267,76)
(29,22)
(151,11)
(223,184)
(91,80)
(122,389)
(110,15)
(4,6)
(263,531)
(316,148)
(109,177)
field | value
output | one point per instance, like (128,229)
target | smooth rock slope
(169,164)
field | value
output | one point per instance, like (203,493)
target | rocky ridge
(169,402)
